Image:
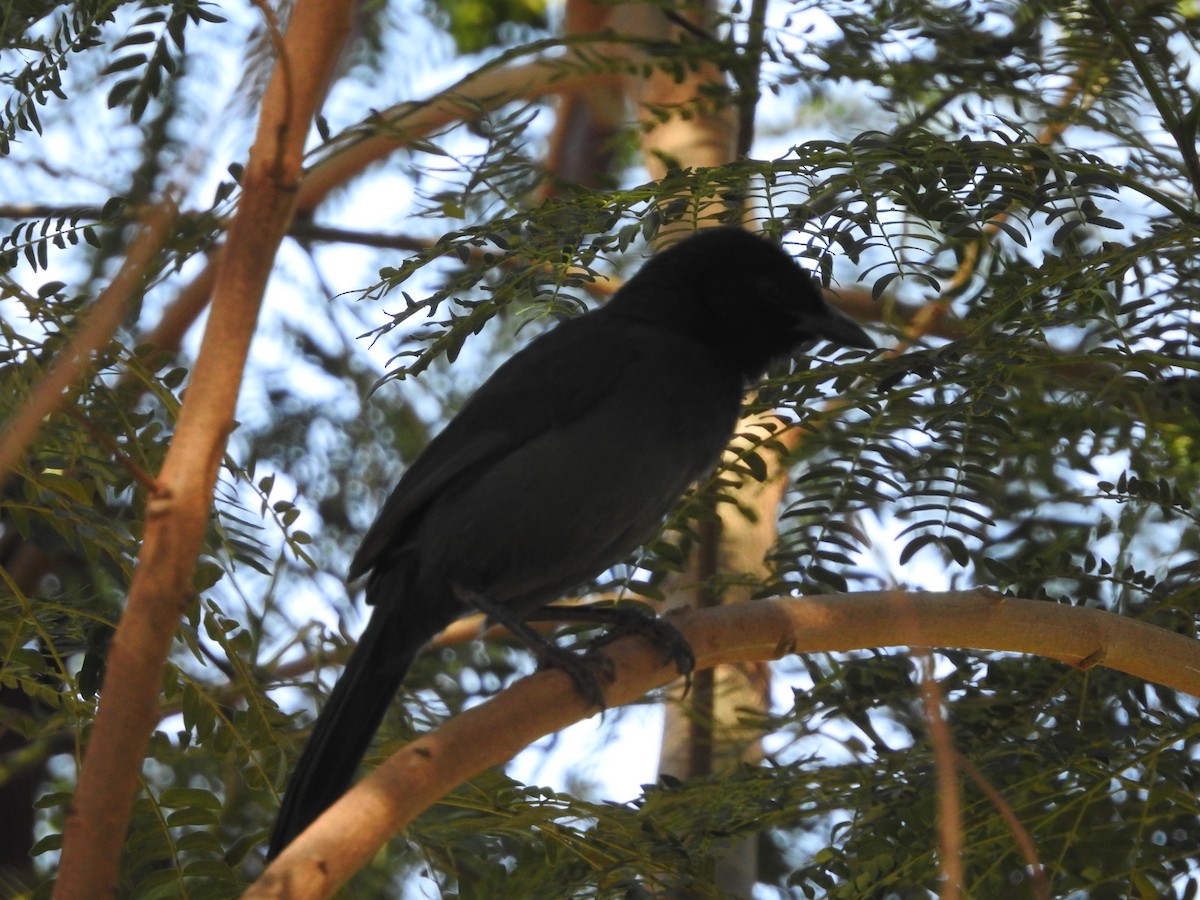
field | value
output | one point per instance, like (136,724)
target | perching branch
(348,835)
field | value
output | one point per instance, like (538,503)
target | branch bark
(177,516)
(467,100)
(348,835)
(94,332)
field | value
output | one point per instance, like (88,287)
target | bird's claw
(585,671)
(659,632)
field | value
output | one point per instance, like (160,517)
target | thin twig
(140,475)
(1039,884)
(748,77)
(949,794)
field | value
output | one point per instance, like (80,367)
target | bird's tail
(344,728)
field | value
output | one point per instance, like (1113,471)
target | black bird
(559,466)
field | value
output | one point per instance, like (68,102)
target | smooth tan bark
(178,515)
(347,836)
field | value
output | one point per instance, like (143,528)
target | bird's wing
(557,378)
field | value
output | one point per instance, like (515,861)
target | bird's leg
(625,620)
(582,670)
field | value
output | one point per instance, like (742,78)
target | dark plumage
(559,466)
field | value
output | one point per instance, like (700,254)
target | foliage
(1022,174)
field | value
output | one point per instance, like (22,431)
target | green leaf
(194,798)
(125,63)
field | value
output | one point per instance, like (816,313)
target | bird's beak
(836,327)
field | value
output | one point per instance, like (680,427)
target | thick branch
(345,839)
(178,516)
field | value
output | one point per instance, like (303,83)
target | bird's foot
(661,633)
(585,671)
(626,620)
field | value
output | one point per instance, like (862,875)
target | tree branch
(469,99)
(95,331)
(481,91)
(346,837)
(176,519)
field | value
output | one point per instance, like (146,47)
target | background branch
(96,329)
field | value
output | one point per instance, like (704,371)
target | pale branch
(177,517)
(96,329)
(347,836)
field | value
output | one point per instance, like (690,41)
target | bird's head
(739,293)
